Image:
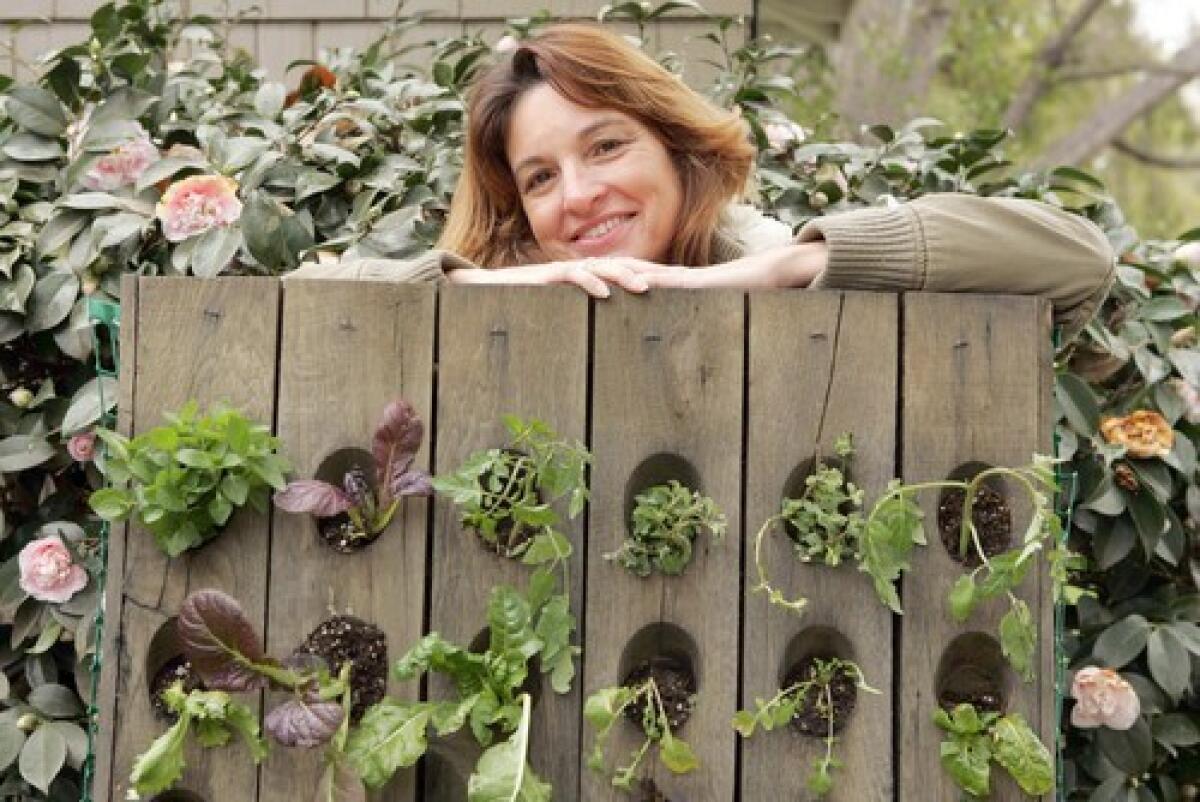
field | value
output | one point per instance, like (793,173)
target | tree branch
(1156,159)
(1113,116)
(1113,72)
(1051,57)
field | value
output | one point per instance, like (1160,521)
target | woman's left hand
(793,265)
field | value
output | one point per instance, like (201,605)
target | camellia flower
(196,204)
(47,571)
(782,135)
(1103,698)
(507,44)
(1189,254)
(123,165)
(1143,433)
(1191,399)
(82,446)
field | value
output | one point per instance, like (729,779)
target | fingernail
(640,285)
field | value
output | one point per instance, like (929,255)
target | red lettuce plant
(369,508)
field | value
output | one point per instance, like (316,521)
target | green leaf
(1078,402)
(42,757)
(962,598)
(966,760)
(12,739)
(391,736)
(677,755)
(1169,663)
(23,451)
(1172,729)
(36,110)
(161,766)
(1122,641)
(52,299)
(1017,748)
(30,148)
(503,774)
(214,250)
(55,701)
(1131,750)
(1018,638)
(111,504)
(86,407)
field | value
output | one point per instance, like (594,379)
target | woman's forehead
(542,119)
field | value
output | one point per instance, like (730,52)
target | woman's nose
(580,189)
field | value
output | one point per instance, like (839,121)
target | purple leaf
(396,442)
(303,723)
(413,482)
(313,496)
(215,633)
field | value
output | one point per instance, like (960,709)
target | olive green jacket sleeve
(964,243)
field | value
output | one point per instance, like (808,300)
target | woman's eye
(606,146)
(535,180)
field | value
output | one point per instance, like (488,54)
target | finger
(620,273)
(592,284)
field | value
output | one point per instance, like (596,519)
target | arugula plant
(974,740)
(667,519)
(489,698)
(608,705)
(815,692)
(186,478)
(1003,573)
(227,654)
(506,494)
(370,505)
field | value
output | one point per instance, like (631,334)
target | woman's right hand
(593,276)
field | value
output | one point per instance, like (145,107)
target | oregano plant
(666,521)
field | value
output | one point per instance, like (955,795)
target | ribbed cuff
(870,249)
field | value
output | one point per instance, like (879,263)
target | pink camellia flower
(782,135)
(47,571)
(82,446)
(1103,698)
(123,165)
(506,44)
(196,204)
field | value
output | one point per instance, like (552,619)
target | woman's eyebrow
(583,133)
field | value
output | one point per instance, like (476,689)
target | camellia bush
(118,159)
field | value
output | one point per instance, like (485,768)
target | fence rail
(736,390)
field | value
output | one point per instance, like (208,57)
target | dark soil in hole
(676,686)
(337,531)
(345,638)
(974,686)
(507,544)
(812,717)
(651,793)
(992,517)
(175,669)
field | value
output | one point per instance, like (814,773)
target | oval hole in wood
(177,795)
(794,486)
(165,651)
(658,469)
(973,669)
(819,643)
(661,639)
(999,536)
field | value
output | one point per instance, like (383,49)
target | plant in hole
(974,739)
(1003,573)
(369,505)
(185,478)
(506,494)
(224,650)
(488,696)
(608,705)
(666,521)
(825,523)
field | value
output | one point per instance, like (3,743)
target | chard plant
(814,692)
(974,740)
(182,481)
(224,650)
(667,520)
(608,705)
(506,495)
(370,504)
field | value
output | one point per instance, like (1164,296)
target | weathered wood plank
(505,350)
(106,690)
(820,364)
(973,392)
(667,379)
(209,341)
(345,352)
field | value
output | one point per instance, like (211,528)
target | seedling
(812,693)
(186,478)
(506,494)
(667,520)
(369,505)
(605,707)
(973,740)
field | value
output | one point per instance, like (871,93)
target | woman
(587,163)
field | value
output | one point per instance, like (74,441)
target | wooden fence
(738,390)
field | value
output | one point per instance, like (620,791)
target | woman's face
(593,182)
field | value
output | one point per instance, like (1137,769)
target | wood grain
(668,374)
(345,353)
(974,390)
(212,341)
(820,364)
(505,350)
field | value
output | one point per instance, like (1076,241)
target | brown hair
(594,68)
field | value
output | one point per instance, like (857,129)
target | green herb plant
(667,519)
(186,478)
(974,740)
(604,708)
(816,690)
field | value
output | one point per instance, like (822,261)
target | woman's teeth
(595,232)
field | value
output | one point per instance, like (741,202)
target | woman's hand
(792,265)
(594,276)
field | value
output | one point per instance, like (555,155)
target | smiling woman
(587,163)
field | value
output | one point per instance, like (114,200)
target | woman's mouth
(603,235)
